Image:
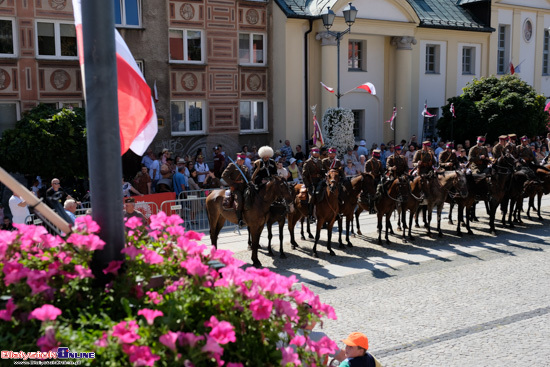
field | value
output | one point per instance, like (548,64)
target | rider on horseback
(396,164)
(511,146)
(479,157)
(312,174)
(334,163)
(235,175)
(527,159)
(447,158)
(500,149)
(424,159)
(375,168)
(264,167)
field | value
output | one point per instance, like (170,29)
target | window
(503,59)
(185,45)
(356,55)
(468,60)
(358,124)
(7,40)
(251,48)
(56,40)
(432,59)
(253,116)
(186,117)
(128,13)
(545,50)
(8,116)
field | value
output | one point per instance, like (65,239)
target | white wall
(527,50)
(463,79)
(545,79)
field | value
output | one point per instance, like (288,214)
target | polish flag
(453,110)
(392,118)
(425,112)
(317,135)
(331,90)
(369,87)
(136,110)
(155,92)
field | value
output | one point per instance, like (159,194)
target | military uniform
(478,165)
(263,169)
(312,174)
(448,160)
(399,162)
(336,164)
(512,148)
(235,180)
(374,167)
(525,153)
(424,160)
(499,150)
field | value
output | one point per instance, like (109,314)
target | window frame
(358,124)
(546,53)
(187,127)
(14,39)
(253,130)
(361,58)
(432,67)
(468,66)
(250,48)
(503,47)
(57,40)
(17,112)
(185,46)
(123,23)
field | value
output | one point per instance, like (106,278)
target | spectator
(362,149)
(350,156)
(148,158)
(255,156)
(350,169)
(165,182)
(361,164)
(127,188)
(199,152)
(286,151)
(202,170)
(295,174)
(467,145)
(373,147)
(356,353)
(192,178)
(462,157)
(410,155)
(245,149)
(154,173)
(544,151)
(70,209)
(171,165)
(248,161)
(56,194)
(180,181)
(7,225)
(142,181)
(35,189)
(440,148)
(384,154)
(299,155)
(281,171)
(300,165)
(219,161)
(130,210)
(19,209)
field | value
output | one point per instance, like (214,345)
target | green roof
(447,14)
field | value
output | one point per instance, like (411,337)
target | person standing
(154,172)
(202,170)
(219,162)
(286,151)
(179,180)
(409,155)
(56,194)
(142,181)
(362,150)
(19,209)
(299,156)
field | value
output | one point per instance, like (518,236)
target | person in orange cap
(357,345)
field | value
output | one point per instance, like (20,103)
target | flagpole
(103,133)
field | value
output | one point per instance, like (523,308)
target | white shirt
(155,166)
(19,213)
(202,170)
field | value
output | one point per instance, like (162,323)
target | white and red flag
(369,87)
(425,112)
(394,114)
(155,92)
(453,110)
(136,110)
(331,90)
(317,135)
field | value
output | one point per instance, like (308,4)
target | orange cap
(357,340)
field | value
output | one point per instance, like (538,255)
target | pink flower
(225,257)
(233,364)
(194,266)
(125,331)
(142,356)
(83,272)
(14,271)
(102,342)
(6,314)
(161,220)
(298,340)
(154,297)
(151,257)
(87,224)
(134,222)
(45,313)
(48,341)
(169,340)
(150,315)
(131,251)
(222,331)
(174,286)
(285,308)
(323,347)
(89,242)
(113,266)
(189,339)
(261,308)
(212,346)
(290,357)
(192,235)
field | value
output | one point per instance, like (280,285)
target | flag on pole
(369,87)
(136,110)
(512,69)
(394,114)
(453,110)
(317,135)
(425,112)
(331,90)
(155,92)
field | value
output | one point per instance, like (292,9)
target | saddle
(229,202)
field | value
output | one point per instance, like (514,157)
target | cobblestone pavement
(476,300)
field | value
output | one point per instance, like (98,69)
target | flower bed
(199,316)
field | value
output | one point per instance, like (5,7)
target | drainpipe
(306,84)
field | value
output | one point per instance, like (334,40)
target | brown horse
(365,198)
(363,182)
(395,193)
(539,190)
(327,209)
(255,216)
(300,212)
(413,200)
(463,203)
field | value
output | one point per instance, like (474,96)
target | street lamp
(350,12)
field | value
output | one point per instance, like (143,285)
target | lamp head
(328,18)
(350,12)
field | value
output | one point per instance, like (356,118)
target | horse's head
(368,185)
(460,183)
(281,190)
(404,187)
(333,179)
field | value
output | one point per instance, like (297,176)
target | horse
(501,172)
(327,209)
(436,189)
(411,203)
(365,198)
(394,193)
(357,184)
(544,189)
(300,212)
(463,203)
(255,216)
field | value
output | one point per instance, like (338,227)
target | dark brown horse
(327,209)
(300,212)
(539,190)
(395,192)
(363,182)
(413,200)
(255,216)
(365,198)
(463,204)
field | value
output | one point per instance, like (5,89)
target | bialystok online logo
(62,353)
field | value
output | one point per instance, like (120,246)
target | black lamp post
(350,12)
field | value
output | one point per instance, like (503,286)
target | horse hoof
(440,234)
(416,226)
(294,246)
(303,238)
(282,256)
(332,253)
(459,234)
(249,248)
(341,246)
(451,223)
(470,232)
(411,238)
(399,229)
(541,218)
(359,233)
(257,264)
(310,236)
(315,255)
(270,254)
(350,244)
(388,242)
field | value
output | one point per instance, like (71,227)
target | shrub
(338,129)
(195,315)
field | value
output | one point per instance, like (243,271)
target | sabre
(236,165)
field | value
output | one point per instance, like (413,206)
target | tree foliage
(46,142)
(494,106)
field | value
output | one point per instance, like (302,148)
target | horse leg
(411,216)
(269,237)
(388,225)
(451,205)
(249,242)
(317,235)
(468,224)
(255,233)
(439,210)
(379,214)
(310,236)
(340,243)
(282,254)
(539,196)
(492,211)
(399,211)
(427,223)
(291,225)
(530,205)
(329,235)
(357,212)
(416,217)
(459,218)
(402,218)
(349,222)
(504,208)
